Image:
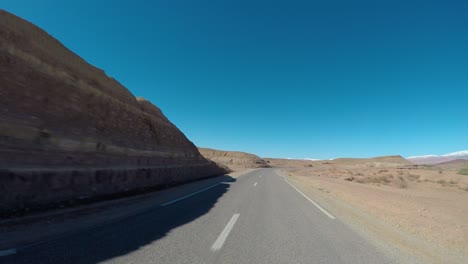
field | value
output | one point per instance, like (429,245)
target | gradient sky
(298,79)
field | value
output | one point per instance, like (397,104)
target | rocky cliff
(68,131)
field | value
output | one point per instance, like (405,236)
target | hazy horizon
(292,79)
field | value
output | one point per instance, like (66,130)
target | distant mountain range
(434,159)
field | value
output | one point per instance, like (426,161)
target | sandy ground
(429,204)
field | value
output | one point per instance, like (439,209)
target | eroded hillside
(234,160)
(68,130)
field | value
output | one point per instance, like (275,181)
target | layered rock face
(234,160)
(67,130)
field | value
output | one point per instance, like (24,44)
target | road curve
(256,218)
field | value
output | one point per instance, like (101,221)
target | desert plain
(420,209)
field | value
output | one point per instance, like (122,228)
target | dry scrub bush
(401,183)
(375,180)
(413,177)
(442,182)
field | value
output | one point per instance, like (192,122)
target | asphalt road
(256,218)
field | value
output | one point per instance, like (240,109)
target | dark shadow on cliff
(125,236)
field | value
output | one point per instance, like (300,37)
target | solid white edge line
(310,200)
(218,244)
(4,253)
(189,195)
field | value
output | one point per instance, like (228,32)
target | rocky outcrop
(234,160)
(67,130)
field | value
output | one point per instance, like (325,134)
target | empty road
(256,218)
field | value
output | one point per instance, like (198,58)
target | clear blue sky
(303,79)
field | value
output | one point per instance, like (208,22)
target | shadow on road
(125,236)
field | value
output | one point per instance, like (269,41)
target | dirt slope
(234,160)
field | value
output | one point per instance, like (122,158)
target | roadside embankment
(69,132)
